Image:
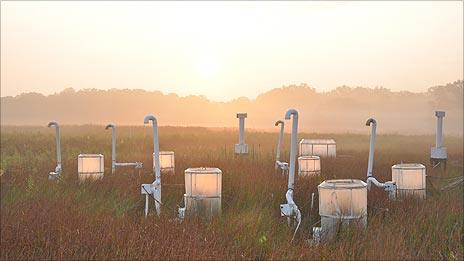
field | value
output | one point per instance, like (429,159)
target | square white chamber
(318,147)
(342,202)
(203,188)
(90,166)
(410,179)
(167,162)
(309,165)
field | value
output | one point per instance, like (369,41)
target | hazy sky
(224,50)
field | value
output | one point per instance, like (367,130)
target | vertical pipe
(57,142)
(113,146)
(58,145)
(156,165)
(156,151)
(241,121)
(293,146)
(241,130)
(113,150)
(439,134)
(281,137)
(371,122)
(438,140)
(146,205)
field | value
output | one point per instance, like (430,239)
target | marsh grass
(104,219)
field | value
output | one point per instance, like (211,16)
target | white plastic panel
(322,148)
(167,160)
(309,165)
(203,182)
(343,198)
(409,176)
(90,164)
(202,207)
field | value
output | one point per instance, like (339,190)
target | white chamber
(203,188)
(342,202)
(309,165)
(410,179)
(90,166)
(318,147)
(167,162)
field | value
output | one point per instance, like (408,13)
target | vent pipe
(114,164)
(439,154)
(241,147)
(58,169)
(279,164)
(371,122)
(439,135)
(290,210)
(155,187)
(388,186)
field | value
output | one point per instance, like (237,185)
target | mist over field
(343,109)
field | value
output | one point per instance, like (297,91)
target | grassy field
(104,219)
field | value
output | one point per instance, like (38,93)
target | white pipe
(127,164)
(156,168)
(281,137)
(371,122)
(293,146)
(291,209)
(114,163)
(146,205)
(241,136)
(113,146)
(289,197)
(439,134)
(58,168)
(374,181)
(387,186)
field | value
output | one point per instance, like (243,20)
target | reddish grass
(104,219)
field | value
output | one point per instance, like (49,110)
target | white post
(388,186)
(58,168)
(439,154)
(293,146)
(290,210)
(241,147)
(113,146)
(439,134)
(371,122)
(241,119)
(155,187)
(281,138)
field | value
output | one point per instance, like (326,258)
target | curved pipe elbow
(53,123)
(279,122)
(111,125)
(371,120)
(291,112)
(149,118)
(289,197)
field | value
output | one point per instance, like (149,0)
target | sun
(207,67)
